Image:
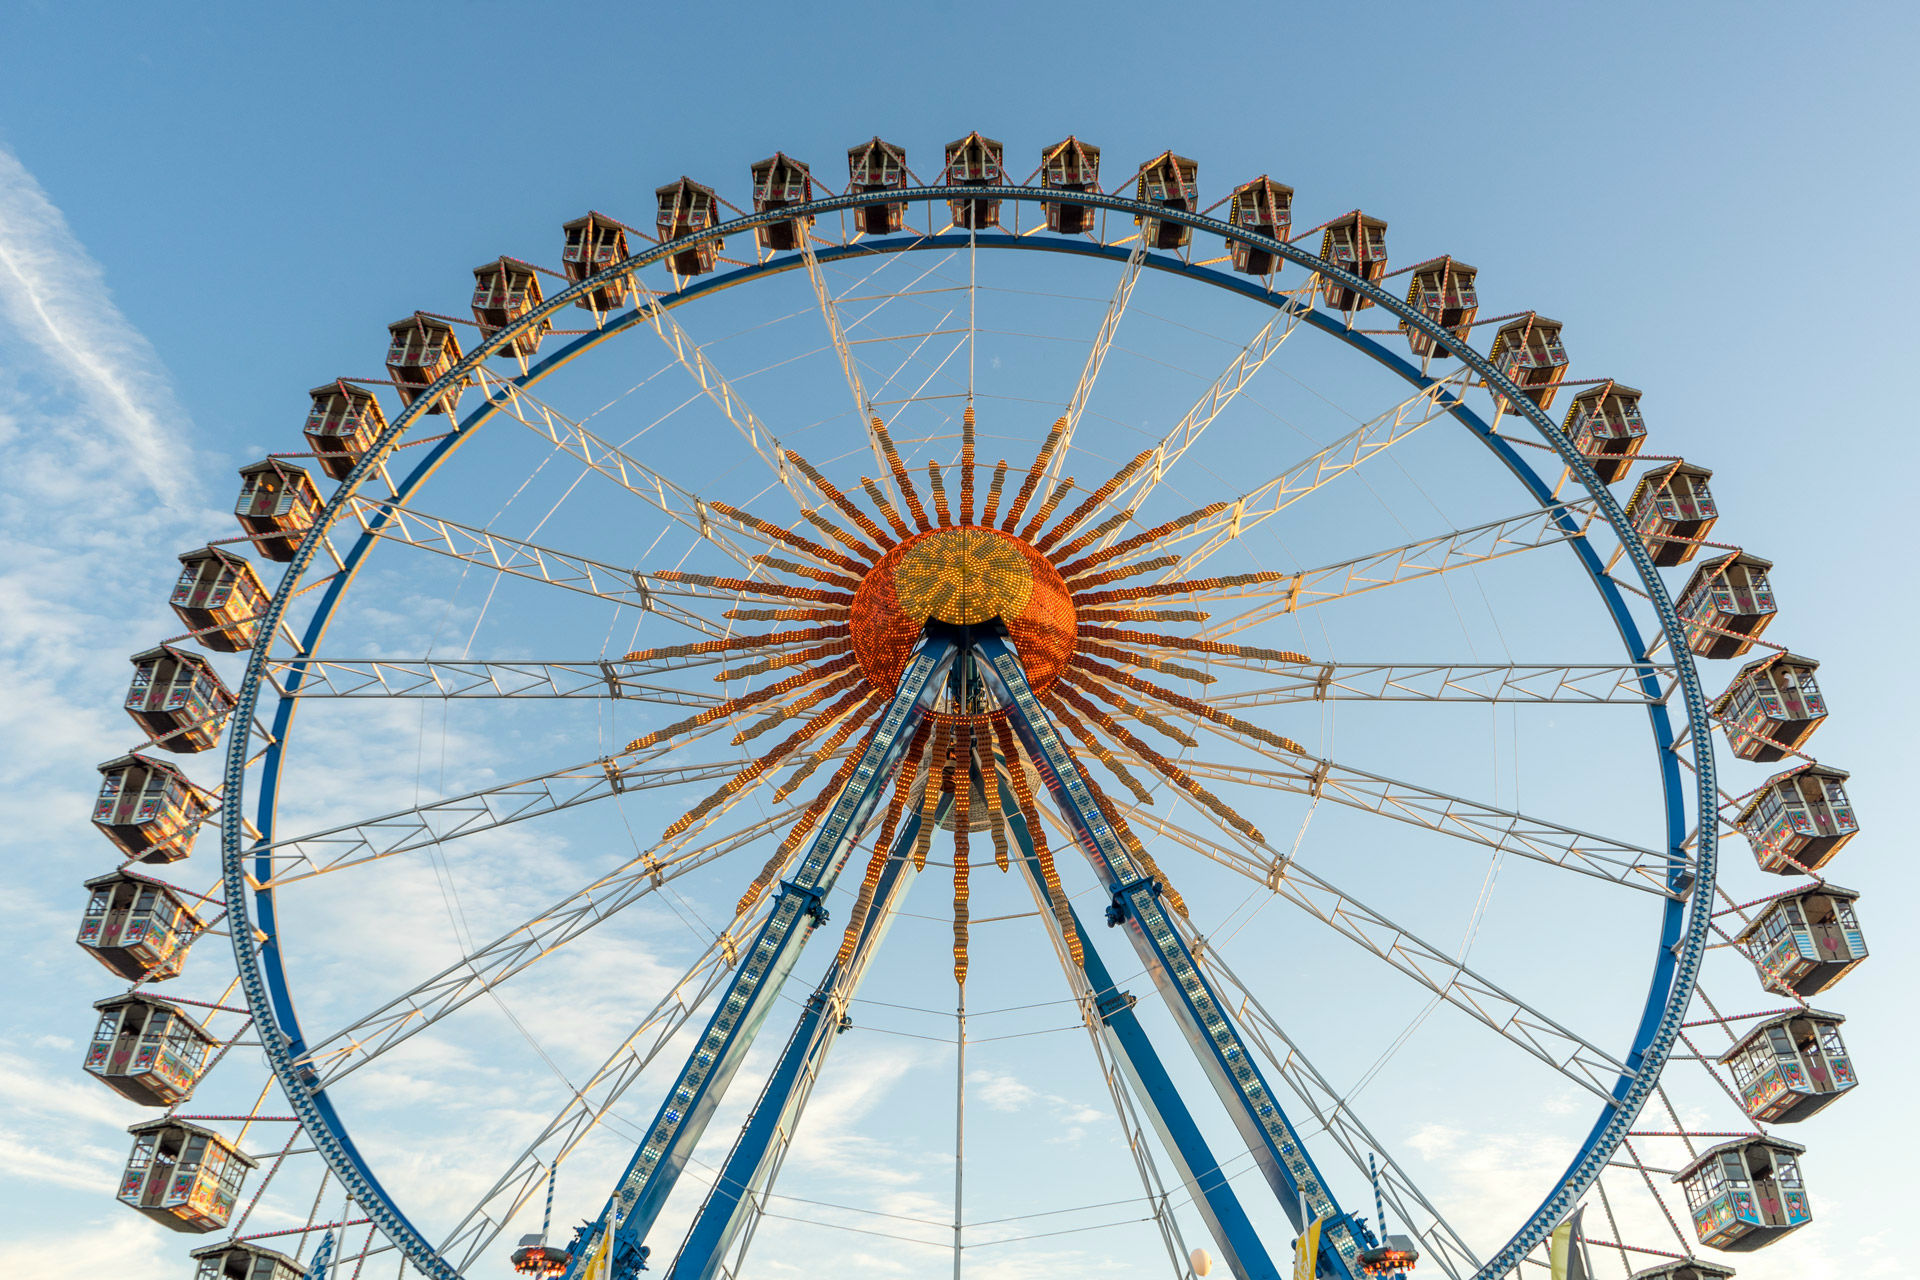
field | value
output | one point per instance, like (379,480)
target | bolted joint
(1122,904)
(815,908)
(628,1260)
(1112,1002)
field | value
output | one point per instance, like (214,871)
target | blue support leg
(1216,1042)
(621,1229)
(770,1128)
(1245,1256)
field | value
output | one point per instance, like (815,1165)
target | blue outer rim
(1683,936)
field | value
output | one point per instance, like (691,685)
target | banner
(1567,1250)
(1306,1252)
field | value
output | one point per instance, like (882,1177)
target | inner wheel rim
(1652,1044)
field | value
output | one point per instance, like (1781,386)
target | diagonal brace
(621,1228)
(1213,1195)
(1218,1044)
(769,1129)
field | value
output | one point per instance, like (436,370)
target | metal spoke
(1504,830)
(455,817)
(589,1105)
(881,303)
(456,678)
(1097,356)
(1460,549)
(1213,402)
(837,333)
(516,558)
(1441,1243)
(1542,1037)
(1563,683)
(849,366)
(680,505)
(408,1014)
(693,358)
(1308,475)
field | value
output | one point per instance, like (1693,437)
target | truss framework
(1428,557)
(730,414)
(412,1012)
(1564,684)
(483,678)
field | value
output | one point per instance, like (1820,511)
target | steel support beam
(621,1229)
(1222,1051)
(769,1128)
(1246,1257)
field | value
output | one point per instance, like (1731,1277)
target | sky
(205,211)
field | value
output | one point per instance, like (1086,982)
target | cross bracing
(1309,475)
(414,1010)
(1427,557)
(1532,1029)
(515,557)
(1561,683)
(1538,839)
(437,822)
(477,678)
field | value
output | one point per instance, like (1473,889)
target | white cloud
(118,1246)
(82,1169)
(1004,1092)
(56,300)
(35,1091)
(999,1090)
(63,1128)
(99,482)
(831,1141)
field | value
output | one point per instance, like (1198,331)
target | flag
(1567,1250)
(317,1269)
(1306,1251)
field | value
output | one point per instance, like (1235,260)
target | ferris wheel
(1211,613)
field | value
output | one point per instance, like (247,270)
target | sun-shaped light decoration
(963,575)
(1048,582)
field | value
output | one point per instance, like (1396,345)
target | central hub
(962,575)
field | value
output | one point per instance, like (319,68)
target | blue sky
(206,211)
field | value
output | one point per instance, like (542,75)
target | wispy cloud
(116,1246)
(61,1129)
(1005,1092)
(54,297)
(99,481)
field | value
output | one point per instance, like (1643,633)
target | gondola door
(125,1040)
(118,909)
(1766,1195)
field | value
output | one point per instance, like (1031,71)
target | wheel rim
(1683,935)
